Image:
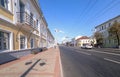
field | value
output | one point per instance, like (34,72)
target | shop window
(4,40)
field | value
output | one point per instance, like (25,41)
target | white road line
(105,52)
(85,53)
(112,60)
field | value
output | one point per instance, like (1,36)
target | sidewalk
(44,64)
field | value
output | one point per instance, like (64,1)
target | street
(78,62)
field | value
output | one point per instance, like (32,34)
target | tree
(114,32)
(99,38)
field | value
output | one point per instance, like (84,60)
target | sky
(77,17)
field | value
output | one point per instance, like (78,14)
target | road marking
(81,52)
(105,52)
(84,53)
(112,60)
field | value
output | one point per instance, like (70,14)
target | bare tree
(114,32)
(99,38)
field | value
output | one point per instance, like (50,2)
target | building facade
(50,39)
(43,33)
(103,29)
(83,40)
(22,25)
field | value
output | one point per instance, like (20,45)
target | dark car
(44,48)
(36,50)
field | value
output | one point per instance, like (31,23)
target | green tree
(114,32)
(99,38)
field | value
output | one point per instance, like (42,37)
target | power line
(104,10)
(88,4)
(92,6)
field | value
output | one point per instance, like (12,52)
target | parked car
(44,48)
(87,46)
(36,50)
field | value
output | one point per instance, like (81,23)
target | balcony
(26,21)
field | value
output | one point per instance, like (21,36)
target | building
(85,40)
(73,42)
(50,39)
(22,25)
(103,29)
(43,33)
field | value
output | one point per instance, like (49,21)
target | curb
(61,69)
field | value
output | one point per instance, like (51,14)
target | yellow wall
(11,28)
(14,30)
(6,13)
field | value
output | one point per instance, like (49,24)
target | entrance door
(22,42)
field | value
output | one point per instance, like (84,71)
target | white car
(87,47)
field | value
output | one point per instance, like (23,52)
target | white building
(103,29)
(50,39)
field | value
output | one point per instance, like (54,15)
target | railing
(24,17)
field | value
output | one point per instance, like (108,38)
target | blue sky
(77,17)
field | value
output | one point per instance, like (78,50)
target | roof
(108,21)
(83,37)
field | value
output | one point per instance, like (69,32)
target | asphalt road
(89,63)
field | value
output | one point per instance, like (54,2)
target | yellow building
(83,40)
(20,22)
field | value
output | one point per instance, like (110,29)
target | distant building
(85,40)
(103,29)
(73,42)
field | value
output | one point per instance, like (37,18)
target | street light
(57,31)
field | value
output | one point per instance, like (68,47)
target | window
(31,19)
(109,41)
(37,23)
(22,42)
(4,3)
(115,21)
(4,40)
(102,27)
(32,43)
(109,24)
(22,9)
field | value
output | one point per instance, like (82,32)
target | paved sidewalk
(44,64)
